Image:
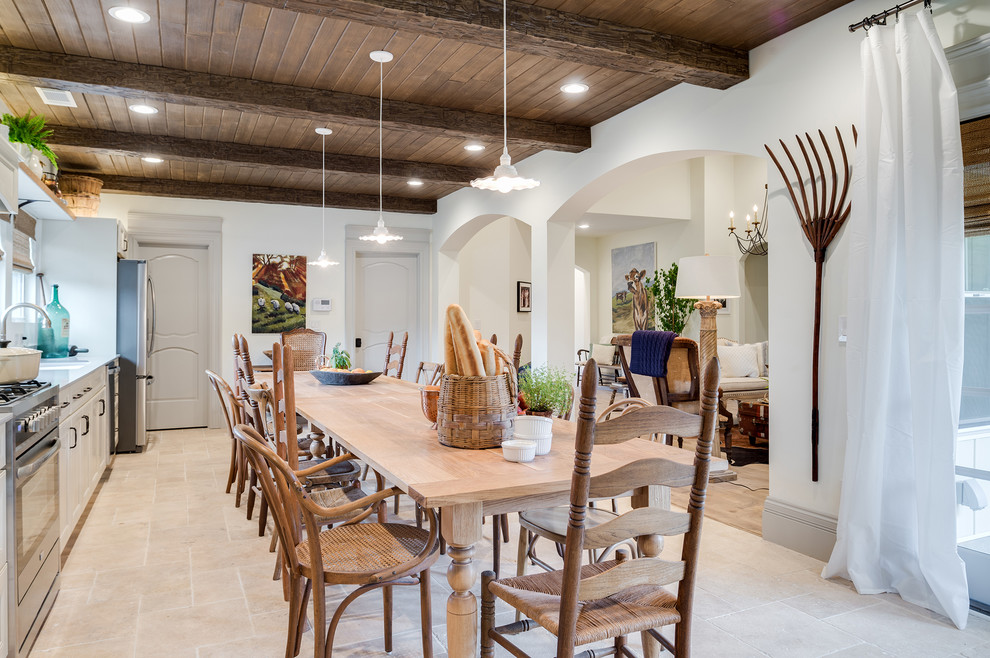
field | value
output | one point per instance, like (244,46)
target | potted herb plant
(340,358)
(30,131)
(546,391)
(671,313)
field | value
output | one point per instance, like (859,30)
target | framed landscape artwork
(278,293)
(631,309)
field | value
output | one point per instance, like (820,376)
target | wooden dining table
(382,423)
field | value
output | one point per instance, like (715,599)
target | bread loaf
(487,356)
(466,350)
(449,356)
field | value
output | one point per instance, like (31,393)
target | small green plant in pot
(546,391)
(30,130)
(340,358)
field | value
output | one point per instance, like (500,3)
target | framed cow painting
(631,308)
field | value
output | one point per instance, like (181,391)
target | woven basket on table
(477,412)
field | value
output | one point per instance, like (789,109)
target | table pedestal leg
(651,546)
(461,527)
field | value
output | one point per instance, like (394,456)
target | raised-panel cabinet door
(177,396)
(101,438)
(386,300)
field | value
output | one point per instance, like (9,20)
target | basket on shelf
(477,412)
(81,194)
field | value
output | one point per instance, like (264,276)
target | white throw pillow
(739,361)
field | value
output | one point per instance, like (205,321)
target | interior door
(177,396)
(386,299)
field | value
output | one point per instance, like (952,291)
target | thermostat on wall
(321,304)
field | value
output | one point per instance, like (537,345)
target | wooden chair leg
(426,613)
(387,603)
(252,483)
(503,519)
(296,610)
(496,545)
(232,473)
(487,615)
(262,516)
(242,473)
(395,504)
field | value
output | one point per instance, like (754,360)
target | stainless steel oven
(32,508)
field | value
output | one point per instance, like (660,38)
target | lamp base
(708,347)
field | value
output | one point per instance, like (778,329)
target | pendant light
(506,178)
(323,261)
(380,234)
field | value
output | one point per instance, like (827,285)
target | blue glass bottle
(54,342)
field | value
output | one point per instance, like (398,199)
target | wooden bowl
(429,395)
(331,378)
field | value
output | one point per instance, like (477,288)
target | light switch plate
(323,304)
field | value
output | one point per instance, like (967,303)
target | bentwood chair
(252,415)
(582,604)
(307,347)
(393,366)
(231,416)
(369,555)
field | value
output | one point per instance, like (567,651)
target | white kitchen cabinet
(4,632)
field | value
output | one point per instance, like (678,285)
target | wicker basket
(81,194)
(477,412)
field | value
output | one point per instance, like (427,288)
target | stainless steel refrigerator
(135,340)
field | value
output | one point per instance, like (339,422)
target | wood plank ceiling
(241,86)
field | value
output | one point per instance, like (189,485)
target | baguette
(465,348)
(449,356)
(489,358)
(477,335)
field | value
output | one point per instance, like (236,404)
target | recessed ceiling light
(416,183)
(574,88)
(584,225)
(129,14)
(152,159)
(143,109)
(474,147)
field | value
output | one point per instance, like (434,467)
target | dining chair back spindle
(393,366)
(307,347)
(608,600)
(517,352)
(370,555)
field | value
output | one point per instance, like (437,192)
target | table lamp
(702,278)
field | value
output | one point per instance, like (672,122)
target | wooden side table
(754,421)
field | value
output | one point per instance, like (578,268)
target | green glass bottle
(54,342)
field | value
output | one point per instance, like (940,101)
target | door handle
(86,431)
(75,438)
(103,407)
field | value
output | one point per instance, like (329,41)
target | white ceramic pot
(23,150)
(516,450)
(18,364)
(543,443)
(34,163)
(534,425)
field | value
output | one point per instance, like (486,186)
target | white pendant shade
(506,178)
(323,260)
(380,234)
(699,277)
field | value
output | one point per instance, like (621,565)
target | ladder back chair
(370,555)
(517,352)
(581,604)
(397,350)
(429,372)
(307,347)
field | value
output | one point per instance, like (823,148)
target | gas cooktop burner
(11,392)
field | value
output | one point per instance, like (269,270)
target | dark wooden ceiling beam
(96,142)
(89,75)
(188,189)
(546,32)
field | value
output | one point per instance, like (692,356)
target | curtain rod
(881,18)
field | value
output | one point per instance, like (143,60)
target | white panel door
(386,299)
(177,396)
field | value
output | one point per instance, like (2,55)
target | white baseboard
(798,529)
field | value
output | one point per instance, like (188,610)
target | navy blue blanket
(650,351)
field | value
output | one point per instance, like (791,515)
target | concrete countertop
(65,371)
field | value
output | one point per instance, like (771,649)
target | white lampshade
(699,277)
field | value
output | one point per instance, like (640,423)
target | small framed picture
(726,309)
(524,296)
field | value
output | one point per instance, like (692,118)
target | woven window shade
(976,177)
(22,251)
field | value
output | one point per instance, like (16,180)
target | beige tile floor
(165,565)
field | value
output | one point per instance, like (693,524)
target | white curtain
(896,529)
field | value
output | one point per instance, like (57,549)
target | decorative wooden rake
(821,218)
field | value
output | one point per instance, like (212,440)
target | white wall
(250,228)
(804,80)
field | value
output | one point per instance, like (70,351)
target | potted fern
(29,135)
(546,391)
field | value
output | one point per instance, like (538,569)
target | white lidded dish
(518,450)
(18,364)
